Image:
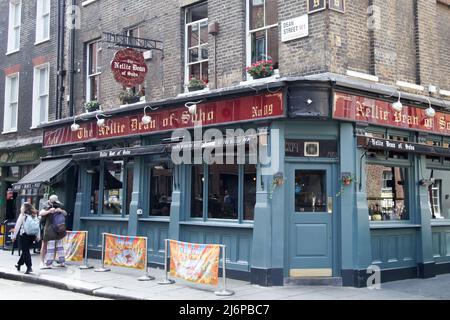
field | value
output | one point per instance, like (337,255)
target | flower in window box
(261,69)
(91,106)
(195,84)
(127,96)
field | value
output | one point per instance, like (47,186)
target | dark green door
(310,220)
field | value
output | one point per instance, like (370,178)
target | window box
(196,88)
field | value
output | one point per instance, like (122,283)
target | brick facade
(24,61)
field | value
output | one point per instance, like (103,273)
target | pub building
(363,180)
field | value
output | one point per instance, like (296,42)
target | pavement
(123,284)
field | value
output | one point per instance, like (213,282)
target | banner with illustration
(74,243)
(125,251)
(193,262)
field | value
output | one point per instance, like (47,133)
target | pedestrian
(52,245)
(27,227)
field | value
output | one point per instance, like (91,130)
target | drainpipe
(72,66)
(60,60)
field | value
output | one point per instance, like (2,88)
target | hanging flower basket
(277,181)
(346,180)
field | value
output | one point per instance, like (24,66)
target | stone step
(313,281)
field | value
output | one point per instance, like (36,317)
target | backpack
(31,226)
(58,224)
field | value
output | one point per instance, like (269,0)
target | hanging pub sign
(129,67)
(378,112)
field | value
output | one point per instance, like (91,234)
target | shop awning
(120,153)
(43,173)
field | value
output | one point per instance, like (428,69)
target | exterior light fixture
(430,112)
(398,106)
(192,107)
(100,122)
(147,119)
(309,101)
(75,126)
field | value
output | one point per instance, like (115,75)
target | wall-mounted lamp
(398,106)
(101,122)
(75,126)
(430,112)
(147,119)
(192,106)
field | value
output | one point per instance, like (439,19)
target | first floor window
(262,26)
(387,192)
(439,193)
(40,95)
(228,193)
(93,71)
(196,53)
(11,103)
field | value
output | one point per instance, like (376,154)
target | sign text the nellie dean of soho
(378,112)
(247,108)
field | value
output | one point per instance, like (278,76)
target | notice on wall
(294,28)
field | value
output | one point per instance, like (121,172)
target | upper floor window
(15,13)
(135,32)
(11,103)
(93,71)
(196,43)
(42,20)
(262,31)
(40,95)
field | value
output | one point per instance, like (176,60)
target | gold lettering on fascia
(111,128)
(378,113)
(264,111)
(84,133)
(137,126)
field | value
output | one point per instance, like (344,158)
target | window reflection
(223,191)
(249,191)
(161,190)
(387,192)
(197,191)
(439,194)
(310,191)
(113,187)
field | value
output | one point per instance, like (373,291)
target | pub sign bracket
(123,41)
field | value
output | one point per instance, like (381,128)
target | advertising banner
(124,251)
(197,263)
(74,243)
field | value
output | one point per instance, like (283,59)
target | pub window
(196,43)
(387,192)
(111,187)
(398,155)
(135,32)
(262,34)
(439,193)
(434,143)
(230,190)
(161,177)
(93,71)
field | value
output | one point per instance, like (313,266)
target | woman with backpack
(27,227)
(54,231)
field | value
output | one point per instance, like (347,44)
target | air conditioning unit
(311,149)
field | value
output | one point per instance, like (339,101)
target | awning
(120,153)
(43,173)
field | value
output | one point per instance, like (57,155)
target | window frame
(7,106)
(249,32)
(35,121)
(14,26)
(147,201)
(41,16)
(127,164)
(90,75)
(187,64)
(241,210)
(395,162)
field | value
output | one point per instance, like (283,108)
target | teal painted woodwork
(441,244)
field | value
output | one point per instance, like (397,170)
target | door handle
(330,205)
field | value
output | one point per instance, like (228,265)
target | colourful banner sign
(124,251)
(197,263)
(362,109)
(247,108)
(74,243)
